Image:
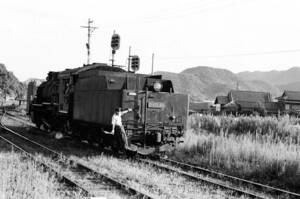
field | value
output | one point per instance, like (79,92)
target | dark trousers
(121,133)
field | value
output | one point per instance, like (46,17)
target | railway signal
(135,63)
(115,41)
(115,45)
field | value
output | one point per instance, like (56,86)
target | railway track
(219,175)
(218,179)
(224,181)
(71,184)
(236,191)
(75,174)
(14,117)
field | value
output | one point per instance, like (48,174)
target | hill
(9,84)
(294,86)
(273,77)
(205,83)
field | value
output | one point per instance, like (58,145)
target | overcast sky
(37,36)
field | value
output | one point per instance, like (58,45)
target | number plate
(156,105)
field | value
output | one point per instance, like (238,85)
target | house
(220,102)
(200,107)
(289,102)
(249,96)
(245,102)
(271,108)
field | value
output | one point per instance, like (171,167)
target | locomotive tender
(81,102)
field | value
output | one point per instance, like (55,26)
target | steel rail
(64,178)
(256,184)
(29,140)
(14,117)
(197,178)
(115,182)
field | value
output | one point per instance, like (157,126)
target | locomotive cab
(159,115)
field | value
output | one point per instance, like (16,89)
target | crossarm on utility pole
(88,44)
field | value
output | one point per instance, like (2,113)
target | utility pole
(152,66)
(88,44)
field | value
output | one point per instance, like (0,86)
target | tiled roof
(221,100)
(248,104)
(290,95)
(249,96)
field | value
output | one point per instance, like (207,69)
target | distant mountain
(273,77)
(294,86)
(205,83)
(259,85)
(9,84)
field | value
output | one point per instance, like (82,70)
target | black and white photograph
(170,99)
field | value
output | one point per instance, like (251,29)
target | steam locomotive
(81,102)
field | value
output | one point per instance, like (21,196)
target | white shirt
(117,119)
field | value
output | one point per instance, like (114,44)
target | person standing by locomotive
(117,123)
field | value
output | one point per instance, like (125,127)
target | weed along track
(73,173)
(232,179)
(235,191)
(29,155)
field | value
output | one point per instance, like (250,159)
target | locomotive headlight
(157,86)
(172,118)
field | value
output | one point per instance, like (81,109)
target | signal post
(115,45)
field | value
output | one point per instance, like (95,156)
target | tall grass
(24,179)
(282,129)
(261,149)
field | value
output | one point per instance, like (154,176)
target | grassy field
(20,178)
(283,129)
(261,149)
